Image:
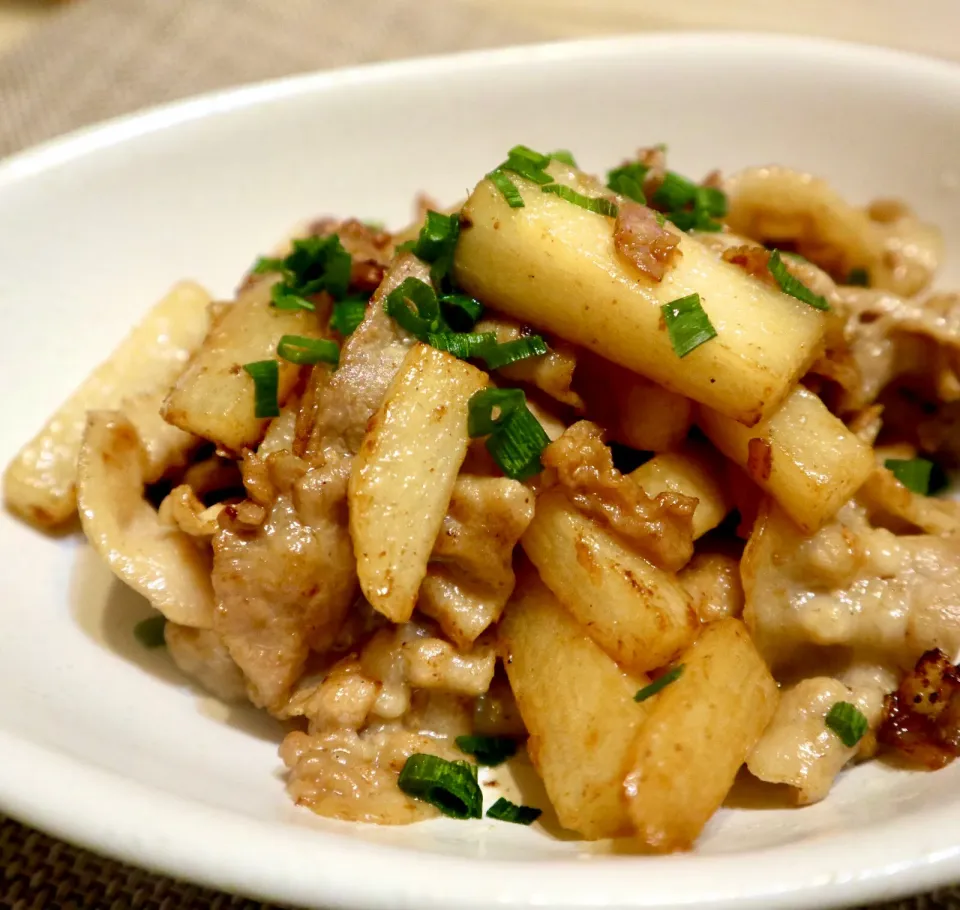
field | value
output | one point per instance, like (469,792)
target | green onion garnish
(848,722)
(505,811)
(527,163)
(451,786)
(515,438)
(507,188)
(303,350)
(661,682)
(528,154)
(460,311)
(480,416)
(488,750)
(437,242)
(627,180)
(424,318)
(675,192)
(266,380)
(688,205)
(501,355)
(793,286)
(267,264)
(564,156)
(687,324)
(463,344)
(149,632)
(913,473)
(591,204)
(859,277)
(283,299)
(516,445)
(314,264)
(348,314)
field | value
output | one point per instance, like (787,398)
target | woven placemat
(101,58)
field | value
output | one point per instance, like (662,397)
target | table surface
(895,23)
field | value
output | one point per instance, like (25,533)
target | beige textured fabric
(101,58)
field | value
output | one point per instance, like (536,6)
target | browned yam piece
(698,732)
(214,396)
(637,613)
(578,706)
(659,527)
(404,475)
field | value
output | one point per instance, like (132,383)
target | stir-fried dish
(632,475)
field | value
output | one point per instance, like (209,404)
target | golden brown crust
(921,719)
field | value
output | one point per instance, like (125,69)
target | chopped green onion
(627,180)
(480,414)
(283,299)
(320,264)
(500,355)
(515,438)
(303,350)
(913,473)
(793,286)
(517,443)
(688,205)
(660,683)
(675,192)
(149,632)
(451,786)
(267,264)
(848,722)
(348,314)
(687,324)
(460,311)
(859,277)
(591,204)
(711,200)
(527,163)
(505,811)
(488,750)
(266,380)
(314,264)
(424,318)
(564,156)
(463,344)
(437,242)
(507,188)
(528,154)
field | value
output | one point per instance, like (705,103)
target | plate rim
(268,859)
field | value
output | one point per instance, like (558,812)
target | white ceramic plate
(104,744)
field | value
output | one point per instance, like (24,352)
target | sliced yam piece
(40,484)
(634,410)
(693,472)
(637,613)
(698,731)
(553,265)
(802,455)
(214,396)
(404,474)
(577,705)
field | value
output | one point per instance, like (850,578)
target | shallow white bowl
(104,744)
